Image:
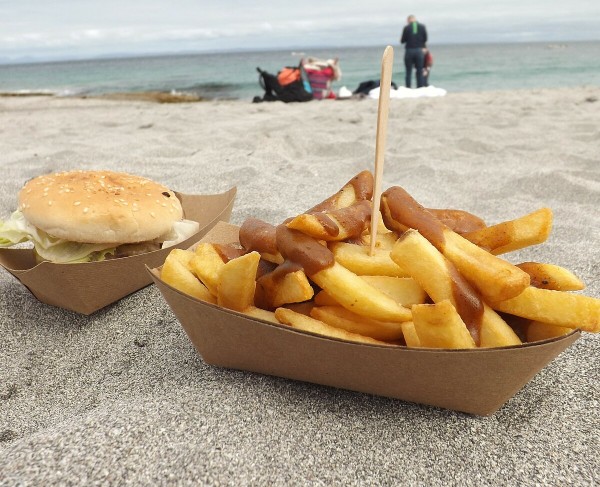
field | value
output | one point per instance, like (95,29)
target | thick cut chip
(495,278)
(410,334)
(286,284)
(384,241)
(175,273)
(237,282)
(334,225)
(206,264)
(550,276)
(536,331)
(357,259)
(404,290)
(458,220)
(356,295)
(359,188)
(349,321)
(558,308)
(531,229)
(306,323)
(183,256)
(261,314)
(441,281)
(440,326)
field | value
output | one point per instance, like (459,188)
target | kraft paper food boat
(90,286)
(473,381)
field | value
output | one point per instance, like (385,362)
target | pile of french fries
(434,280)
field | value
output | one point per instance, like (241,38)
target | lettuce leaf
(17,229)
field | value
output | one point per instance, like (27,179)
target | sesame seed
(50,203)
(85,210)
(77,203)
(152,214)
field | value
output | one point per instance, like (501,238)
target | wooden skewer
(387,62)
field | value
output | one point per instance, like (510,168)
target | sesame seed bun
(99,207)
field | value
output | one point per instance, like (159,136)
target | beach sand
(121,397)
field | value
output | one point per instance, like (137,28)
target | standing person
(414,36)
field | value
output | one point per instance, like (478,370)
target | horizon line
(28,59)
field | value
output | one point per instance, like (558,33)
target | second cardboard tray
(88,287)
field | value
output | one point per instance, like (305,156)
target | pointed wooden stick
(387,62)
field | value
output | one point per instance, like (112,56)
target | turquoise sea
(457,68)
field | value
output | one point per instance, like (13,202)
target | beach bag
(288,75)
(321,74)
(293,91)
(366,86)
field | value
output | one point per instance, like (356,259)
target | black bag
(366,86)
(292,92)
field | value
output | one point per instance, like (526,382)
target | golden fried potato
(531,229)
(236,284)
(183,256)
(286,284)
(357,259)
(261,314)
(206,264)
(335,225)
(440,326)
(403,290)
(494,278)
(536,331)
(175,273)
(410,334)
(383,241)
(558,308)
(306,323)
(349,321)
(441,281)
(359,188)
(356,295)
(550,276)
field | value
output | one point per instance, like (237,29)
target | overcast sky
(51,29)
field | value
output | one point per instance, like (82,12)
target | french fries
(357,259)
(513,235)
(349,321)
(441,281)
(434,280)
(175,271)
(306,323)
(558,308)
(550,276)
(440,326)
(237,282)
(334,225)
(493,277)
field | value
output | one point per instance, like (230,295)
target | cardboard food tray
(473,381)
(88,287)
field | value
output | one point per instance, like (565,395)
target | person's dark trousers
(414,57)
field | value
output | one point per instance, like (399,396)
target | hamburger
(87,216)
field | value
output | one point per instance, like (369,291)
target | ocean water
(457,68)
